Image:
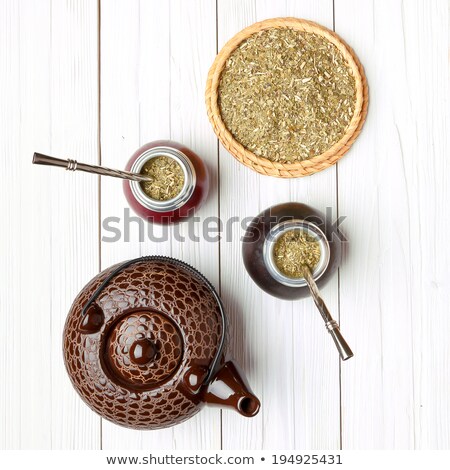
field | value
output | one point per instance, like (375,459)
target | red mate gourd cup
(192,195)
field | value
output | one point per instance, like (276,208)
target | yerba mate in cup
(179,186)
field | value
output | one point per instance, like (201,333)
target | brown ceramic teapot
(145,345)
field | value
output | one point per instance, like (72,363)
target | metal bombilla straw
(73,165)
(331,325)
(309,278)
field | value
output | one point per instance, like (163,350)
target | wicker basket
(261,164)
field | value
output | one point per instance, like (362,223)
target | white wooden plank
(192,51)
(394,284)
(13,338)
(130,74)
(74,208)
(152,71)
(51,239)
(283,347)
(392,188)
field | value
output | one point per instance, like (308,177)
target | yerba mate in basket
(286,97)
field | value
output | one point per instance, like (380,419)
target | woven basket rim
(262,164)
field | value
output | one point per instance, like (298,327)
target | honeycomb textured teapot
(145,345)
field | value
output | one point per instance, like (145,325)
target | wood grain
(139,68)
(394,283)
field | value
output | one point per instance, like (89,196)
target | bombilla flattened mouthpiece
(333,328)
(73,165)
(344,349)
(41,159)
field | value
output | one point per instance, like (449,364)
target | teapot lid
(144,349)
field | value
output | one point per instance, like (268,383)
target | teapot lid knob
(142,351)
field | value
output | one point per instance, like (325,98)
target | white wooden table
(96,81)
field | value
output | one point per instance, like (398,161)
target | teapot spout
(230,388)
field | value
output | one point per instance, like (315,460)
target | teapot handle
(108,279)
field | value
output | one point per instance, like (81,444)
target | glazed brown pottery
(145,345)
(257,233)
